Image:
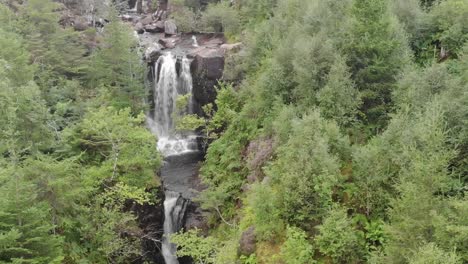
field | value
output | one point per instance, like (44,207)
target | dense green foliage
(348,144)
(74,152)
(342,140)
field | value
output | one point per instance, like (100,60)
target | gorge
(233,131)
(170,76)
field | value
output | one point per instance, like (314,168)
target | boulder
(258,152)
(247,243)
(80,24)
(170,28)
(139,28)
(160,26)
(194,218)
(153,52)
(207,69)
(209,62)
(167,43)
(231,47)
(152,28)
(146,20)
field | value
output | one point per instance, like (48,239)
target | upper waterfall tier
(168,86)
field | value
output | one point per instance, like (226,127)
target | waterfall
(187,82)
(165,94)
(168,85)
(174,210)
(195,42)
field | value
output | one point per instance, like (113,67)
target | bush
(337,238)
(221,18)
(430,253)
(185,19)
(296,249)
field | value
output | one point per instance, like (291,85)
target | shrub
(221,18)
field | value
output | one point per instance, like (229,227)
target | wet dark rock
(194,218)
(150,219)
(247,243)
(207,69)
(153,28)
(168,43)
(131,3)
(153,52)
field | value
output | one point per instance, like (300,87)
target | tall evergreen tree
(377,50)
(116,66)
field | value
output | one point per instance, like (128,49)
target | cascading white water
(174,208)
(195,42)
(168,85)
(187,82)
(166,92)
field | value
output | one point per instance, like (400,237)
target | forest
(339,133)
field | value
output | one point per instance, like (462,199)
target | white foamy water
(168,86)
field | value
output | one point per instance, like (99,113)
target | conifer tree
(116,66)
(376,51)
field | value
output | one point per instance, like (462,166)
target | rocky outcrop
(231,47)
(258,152)
(248,241)
(80,24)
(153,52)
(150,219)
(170,28)
(194,218)
(207,69)
(168,43)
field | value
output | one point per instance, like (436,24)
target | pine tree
(376,51)
(117,68)
(26,229)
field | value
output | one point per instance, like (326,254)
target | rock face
(146,20)
(150,220)
(207,69)
(153,52)
(257,154)
(194,218)
(80,24)
(139,28)
(168,43)
(247,243)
